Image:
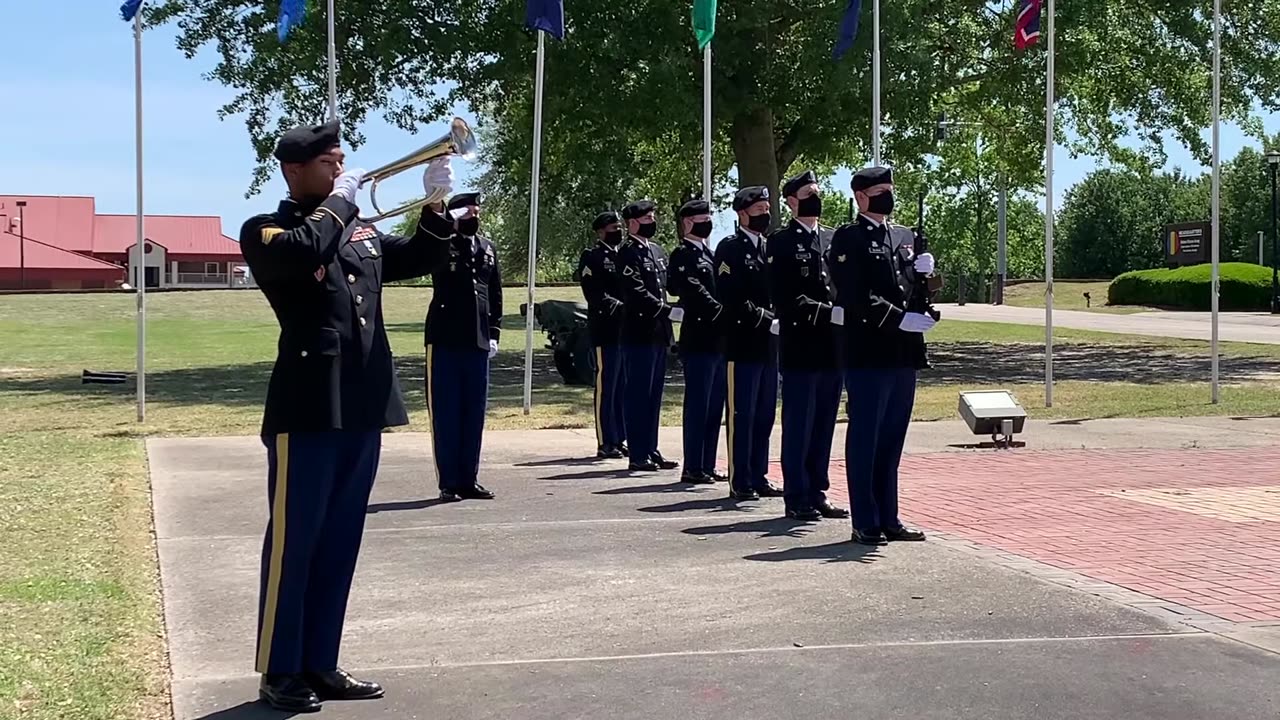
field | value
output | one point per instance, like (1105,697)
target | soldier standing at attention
(692,279)
(332,391)
(751,346)
(601,281)
(873,267)
(646,335)
(810,352)
(462,328)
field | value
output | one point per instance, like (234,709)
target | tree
(623,112)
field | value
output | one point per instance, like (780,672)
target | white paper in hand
(916,323)
(677,314)
(774,327)
(837,315)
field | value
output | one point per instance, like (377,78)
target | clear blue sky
(68,122)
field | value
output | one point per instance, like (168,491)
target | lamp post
(22,244)
(1273,164)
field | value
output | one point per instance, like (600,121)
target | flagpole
(141,266)
(706,123)
(1048,213)
(533,222)
(1217,191)
(333,67)
(875,84)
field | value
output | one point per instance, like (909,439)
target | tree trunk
(754,153)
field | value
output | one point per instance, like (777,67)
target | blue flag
(291,14)
(848,29)
(130,9)
(545,15)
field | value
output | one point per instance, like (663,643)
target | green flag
(704,21)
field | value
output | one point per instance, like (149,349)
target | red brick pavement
(1199,528)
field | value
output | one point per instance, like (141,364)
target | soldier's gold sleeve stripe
(269,233)
(278,505)
(334,214)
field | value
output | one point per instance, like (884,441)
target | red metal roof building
(62,243)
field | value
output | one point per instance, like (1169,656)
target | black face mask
(759,223)
(701,230)
(469,226)
(647,230)
(881,204)
(809,207)
(613,237)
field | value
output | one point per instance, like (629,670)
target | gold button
(362,322)
(351,279)
(304,353)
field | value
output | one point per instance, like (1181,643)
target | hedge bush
(1243,286)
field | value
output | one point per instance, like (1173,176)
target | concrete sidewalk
(1232,327)
(587,592)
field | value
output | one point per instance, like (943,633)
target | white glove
(916,323)
(347,185)
(774,327)
(924,263)
(493,348)
(837,315)
(438,176)
(677,314)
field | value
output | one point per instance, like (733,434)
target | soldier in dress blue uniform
(751,346)
(646,335)
(692,279)
(463,324)
(874,269)
(809,324)
(332,391)
(601,281)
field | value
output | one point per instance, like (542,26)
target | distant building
(63,243)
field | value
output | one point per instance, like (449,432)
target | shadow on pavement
(249,711)
(845,551)
(720,503)
(403,505)
(614,473)
(772,527)
(642,489)
(561,462)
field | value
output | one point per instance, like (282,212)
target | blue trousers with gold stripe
(810,403)
(611,428)
(457,398)
(704,389)
(753,408)
(646,372)
(880,404)
(318,486)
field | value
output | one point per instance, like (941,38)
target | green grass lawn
(80,623)
(1067,295)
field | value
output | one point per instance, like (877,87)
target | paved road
(1233,327)
(587,592)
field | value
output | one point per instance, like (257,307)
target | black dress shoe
(827,510)
(476,492)
(662,462)
(450,496)
(868,537)
(769,491)
(743,494)
(622,448)
(719,476)
(646,466)
(903,534)
(288,693)
(608,452)
(696,478)
(339,685)
(805,514)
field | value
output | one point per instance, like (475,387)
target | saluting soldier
(332,391)
(646,335)
(874,268)
(809,322)
(751,345)
(692,279)
(463,324)
(601,280)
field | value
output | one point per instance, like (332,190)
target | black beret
(697,206)
(462,200)
(604,220)
(792,186)
(637,209)
(868,177)
(748,196)
(303,144)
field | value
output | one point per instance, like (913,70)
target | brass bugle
(460,140)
